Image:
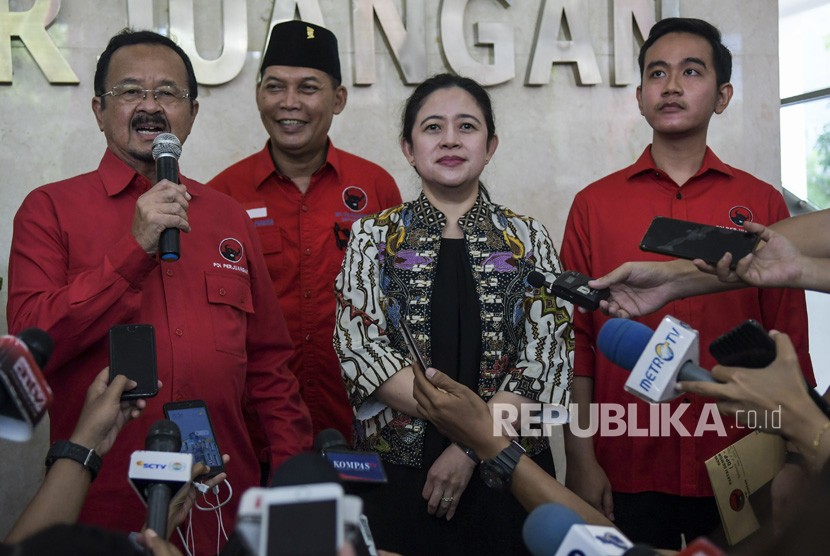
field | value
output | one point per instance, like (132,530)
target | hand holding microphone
(657,359)
(663,364)
(161,212)
(777,386)
(159,471)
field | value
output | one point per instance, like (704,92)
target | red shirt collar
(117,176)
(710,163)
(264,165)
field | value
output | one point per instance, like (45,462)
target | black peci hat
(301,44)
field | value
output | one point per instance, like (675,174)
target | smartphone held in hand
(133,354)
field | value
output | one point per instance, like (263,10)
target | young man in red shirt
(656,487)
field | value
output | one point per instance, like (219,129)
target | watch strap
(505,463)
(470,453)
(69,450)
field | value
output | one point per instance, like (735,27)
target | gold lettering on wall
(628,13)
(562,36)
(408,43)
(558,16)
(30,27)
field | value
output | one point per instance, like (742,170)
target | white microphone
(657,360)
(555,530)
(159,472)
(24,394)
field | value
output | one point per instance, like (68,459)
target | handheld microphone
(657,359)
(24,394)
(632,346)
(160,471)
(571,286)
(166,152)
(351,465)
(555,530)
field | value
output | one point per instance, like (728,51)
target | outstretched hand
(104,414)
(185,499)
(776,263)
(458,412)
(640,288)
(780,386)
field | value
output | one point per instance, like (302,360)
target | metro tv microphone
(24,394)
(166,152)
(159,471)
(657,359)
(554,530)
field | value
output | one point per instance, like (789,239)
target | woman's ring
(447,499)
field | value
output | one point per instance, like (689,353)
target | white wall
(554,138)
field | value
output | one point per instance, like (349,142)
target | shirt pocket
(270,238)
(229,298)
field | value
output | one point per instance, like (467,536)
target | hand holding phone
(417,357)
(690,240)
(198,437)
(133,354)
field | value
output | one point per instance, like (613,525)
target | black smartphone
(133,354)
(690,240)
(198,437)
(417,357)
(573,286)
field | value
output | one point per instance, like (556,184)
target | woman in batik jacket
(455,266)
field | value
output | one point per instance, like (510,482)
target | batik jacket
(388,271)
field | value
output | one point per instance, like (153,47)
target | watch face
(491,476)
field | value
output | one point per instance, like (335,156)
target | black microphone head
(39,343)
(306,468)
(163,436)
(166,144)
(536,279)
(328,439)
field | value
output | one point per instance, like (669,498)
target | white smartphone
(302,520)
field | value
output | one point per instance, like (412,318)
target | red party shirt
(605,226)
(303,238)
(75,270)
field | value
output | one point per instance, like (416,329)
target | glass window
(804,62)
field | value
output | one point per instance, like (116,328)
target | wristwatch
(496,472)
(85,456)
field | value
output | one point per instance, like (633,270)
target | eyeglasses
(166,95)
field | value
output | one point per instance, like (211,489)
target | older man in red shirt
(84,257)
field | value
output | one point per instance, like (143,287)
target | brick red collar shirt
(303,237)
(606,223)
(75,270)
